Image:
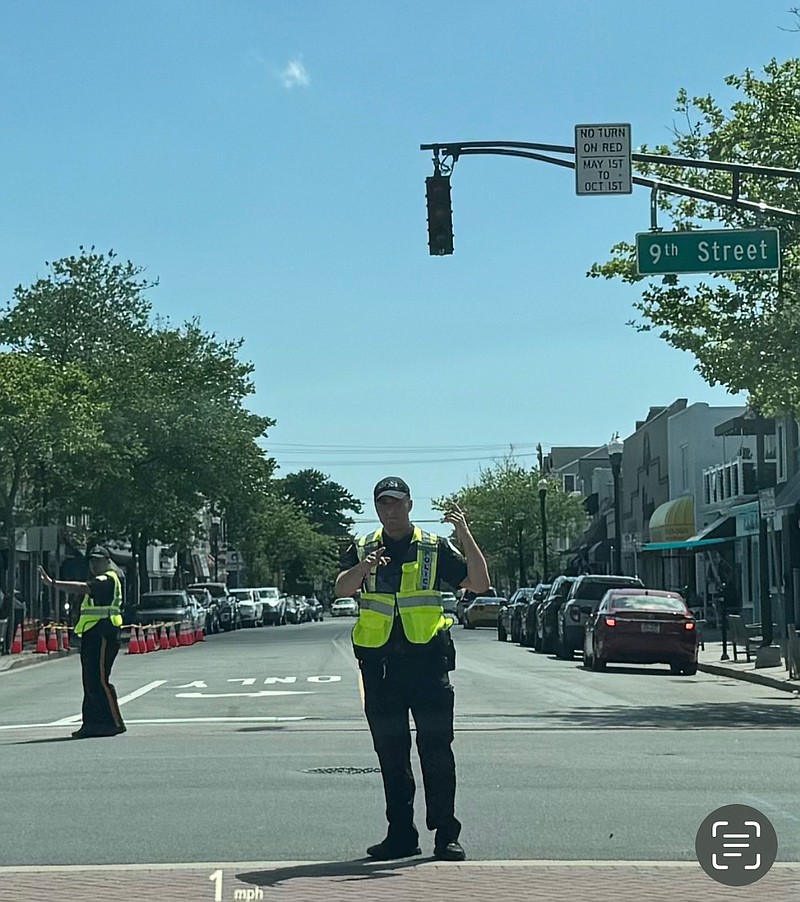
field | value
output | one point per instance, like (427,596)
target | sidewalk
(774,677)
(402,881)
(28,656)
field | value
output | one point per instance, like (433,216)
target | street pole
(520,518)
(215,521)
(615,448)
(543,507)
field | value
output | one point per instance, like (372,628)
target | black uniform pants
(394,686)
(99,648)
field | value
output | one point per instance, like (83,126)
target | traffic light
(440,215)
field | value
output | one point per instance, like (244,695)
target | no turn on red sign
(603,159)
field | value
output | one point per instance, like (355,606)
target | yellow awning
(673,521)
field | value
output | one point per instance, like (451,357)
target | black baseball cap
(393,486)
(100,551)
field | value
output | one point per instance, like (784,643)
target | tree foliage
(743,332)
(505,500)
(323,501)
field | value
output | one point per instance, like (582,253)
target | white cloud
(295,74)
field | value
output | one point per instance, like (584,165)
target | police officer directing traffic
(405,652)
(98,627)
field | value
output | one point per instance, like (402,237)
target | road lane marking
(137,693)
(259,694)
(163,720)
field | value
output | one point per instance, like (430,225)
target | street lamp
(615,448)
(520,518)
(543,506)
(215,522)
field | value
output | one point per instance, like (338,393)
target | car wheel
(598,663)
(537,642)
(561,649)
(468,625)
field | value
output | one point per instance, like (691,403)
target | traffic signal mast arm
(539,152)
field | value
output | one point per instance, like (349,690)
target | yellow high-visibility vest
(92,614)
(419,605)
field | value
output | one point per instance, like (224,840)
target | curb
(749,677)
(26,661)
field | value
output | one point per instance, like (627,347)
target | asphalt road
(231,745)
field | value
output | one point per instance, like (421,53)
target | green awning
(689,545)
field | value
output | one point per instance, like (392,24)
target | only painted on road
(707,250)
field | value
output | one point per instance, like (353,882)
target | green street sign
(707,250)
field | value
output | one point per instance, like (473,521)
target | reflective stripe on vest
(419,605)
(92,614)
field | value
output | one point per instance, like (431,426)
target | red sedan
(642,626)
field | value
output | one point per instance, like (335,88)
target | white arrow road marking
(262,693)
(75,718)
(248,682)
(197,684)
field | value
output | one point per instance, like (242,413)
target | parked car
(518,604)
(504,622)
(315,608)
(210,606)
(642,626)
(483,611)
(585,595)
(463,603)
(303,609)
(170,606)
(528,628)
(450,604)
(273,605)
(344,607)
(544,639)
(292,614)
(251,608)
(229,616)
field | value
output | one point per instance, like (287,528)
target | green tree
(322,500)
(504,501)
(742,331)
(176,431)
(47,413)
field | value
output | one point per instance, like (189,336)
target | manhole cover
(342,770)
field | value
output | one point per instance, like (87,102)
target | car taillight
(575,614)
(611,621)
(689,625)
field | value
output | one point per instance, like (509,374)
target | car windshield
(151,602)
(647,603)
(242,594)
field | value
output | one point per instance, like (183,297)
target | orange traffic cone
(163,642)
(41,643)
(52,640)
(198,636)
(189,634)
(65,646)
(151,642)
(173,639)
(16,645)
(133,643)
(142,644)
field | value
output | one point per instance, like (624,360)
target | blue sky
(262,160)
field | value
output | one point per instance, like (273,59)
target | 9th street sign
(707,250)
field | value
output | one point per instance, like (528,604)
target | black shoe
(453,851)
(386,850)
(83,733)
